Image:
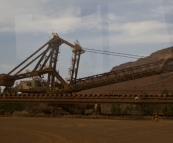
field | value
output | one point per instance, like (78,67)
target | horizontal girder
(86,98)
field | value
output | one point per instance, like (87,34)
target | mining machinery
(45,78)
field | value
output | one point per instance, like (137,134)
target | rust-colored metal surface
(88,98)
(123,75)
(51,82)
(46,64)
(6,80)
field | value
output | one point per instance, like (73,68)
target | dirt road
(62,130)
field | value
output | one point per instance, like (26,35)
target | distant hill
(161,54)
(158,82)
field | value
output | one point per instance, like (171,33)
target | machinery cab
(27,86)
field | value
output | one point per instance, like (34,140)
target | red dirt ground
(63,130)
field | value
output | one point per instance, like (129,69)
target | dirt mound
(161,54)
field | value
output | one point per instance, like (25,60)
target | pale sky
(137,27)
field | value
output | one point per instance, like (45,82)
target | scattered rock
(20,113)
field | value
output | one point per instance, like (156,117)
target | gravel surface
(71,130)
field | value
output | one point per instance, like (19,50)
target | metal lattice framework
(123,75)
(47,64)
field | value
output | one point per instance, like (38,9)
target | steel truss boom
(47,64)
(123,75)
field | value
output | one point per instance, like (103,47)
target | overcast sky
(134,27)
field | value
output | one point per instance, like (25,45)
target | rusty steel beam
(123,75)
(51,40)
(43,53)
(70,101)
(82,98)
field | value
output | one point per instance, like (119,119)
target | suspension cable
(87,49)
(119,54)
(113,54)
